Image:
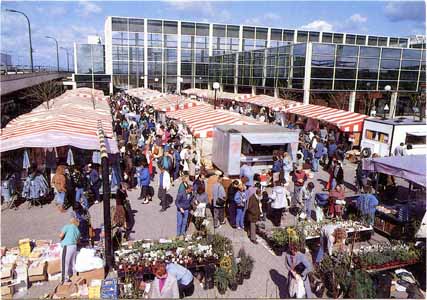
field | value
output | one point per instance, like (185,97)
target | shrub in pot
(221,279)
(233,276)
(246,263)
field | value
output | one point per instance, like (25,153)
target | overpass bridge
(10,83)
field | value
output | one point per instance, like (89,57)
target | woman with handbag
(218,197)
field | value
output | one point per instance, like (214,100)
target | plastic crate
(109,289)
(94,292)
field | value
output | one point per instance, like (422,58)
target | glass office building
(170,55)
(322,67)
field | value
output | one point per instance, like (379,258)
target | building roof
(397,121)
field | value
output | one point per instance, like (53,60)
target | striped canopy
(206,94)
(203,118)
(70,120)
(143,93)
(276,104)
(167,103)
(346,121)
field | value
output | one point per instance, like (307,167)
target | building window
(288,35)
(136,25)
(233,31)
(202,29)
(327,37)
(369,52)
(321,84)
(188,28)
(350,39)
(343,50)
(324,49)
(411,54)
(338,38)
(218,30)
(154,26)
(170,27)
(313,36)
(119,24)
(361,40)
(248,32)
(346,85)
(372,41)
(302,36)
(261,33)
(276,35)
(376,136)
(382,41)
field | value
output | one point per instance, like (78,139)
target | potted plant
(221,280)
(233,282)
(246,263)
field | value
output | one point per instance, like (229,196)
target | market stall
(202,119)
(39,261)
(143,93)
(207,95)
(234,145)
(400,219)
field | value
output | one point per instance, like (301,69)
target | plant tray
(389,266)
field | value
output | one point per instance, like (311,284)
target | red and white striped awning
(167,103)
(276,104)
(143,93)
(203,118)
(210,94)
(346,121)
(70,120)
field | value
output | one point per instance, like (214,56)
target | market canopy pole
(106,197)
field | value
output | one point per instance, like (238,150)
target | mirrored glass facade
(90,57)
(160,53)
(327,67)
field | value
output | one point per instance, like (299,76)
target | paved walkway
(269,274)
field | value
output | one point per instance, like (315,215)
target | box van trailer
(235,145)
(383,136)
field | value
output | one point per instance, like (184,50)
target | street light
(57,51)
(179,81)
(68,62)
(29,34)
(200,80)
(216,87)
(386,109)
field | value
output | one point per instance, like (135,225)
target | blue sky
(72,21)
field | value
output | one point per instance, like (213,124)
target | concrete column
(276,92)
(393,104)
(352,101)
(178,60)
(145,54)
(253,91)
(307,77)
(241,38)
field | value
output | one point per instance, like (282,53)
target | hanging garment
(50,158)
(96,157)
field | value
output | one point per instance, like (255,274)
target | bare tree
(44,92)
(340,99)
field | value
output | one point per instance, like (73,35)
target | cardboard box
(93,274)
(6,270)
(37,271)
(66,290)
(41,243)
(2,251)
(54,266)
(6,291)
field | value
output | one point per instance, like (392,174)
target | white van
(383,136)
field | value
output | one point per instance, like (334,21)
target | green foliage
(361,285)
(246,263)
(221,245)
(282,237)
(221,279)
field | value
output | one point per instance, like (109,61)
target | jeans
(95,191)
(218,216)
(80,195)
(240,217)
(333,184)
(60,198)
(68,261)
(308,203)
(232,213)
(162,196)
(315,164)
(176,172)
(297,196)
(181,222)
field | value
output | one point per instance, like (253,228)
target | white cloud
(204,10)
(268,19)
(86,8)
(357,18)
(318,25)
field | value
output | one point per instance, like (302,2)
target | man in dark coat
(253,212)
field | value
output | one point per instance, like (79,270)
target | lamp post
(200,81)
(156,80)
(386,109)
(68,62)
(57,51)
(179,81)
(215,87)
(29,35)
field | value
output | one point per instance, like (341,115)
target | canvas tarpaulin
(410,167)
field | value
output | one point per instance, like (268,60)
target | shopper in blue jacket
(144,179)
(183,205)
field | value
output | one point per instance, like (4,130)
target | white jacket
(166,180)
(280,197)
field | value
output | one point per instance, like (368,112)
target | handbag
(220,201)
